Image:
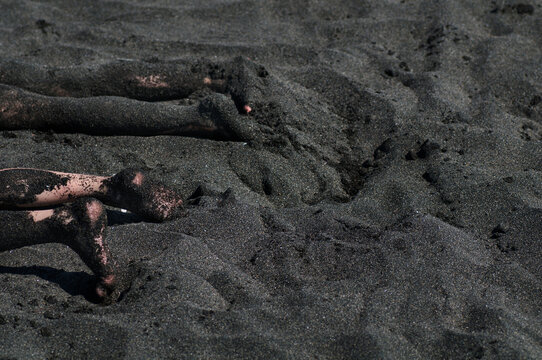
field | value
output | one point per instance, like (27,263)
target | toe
(105,289)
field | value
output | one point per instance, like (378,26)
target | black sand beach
(381,200)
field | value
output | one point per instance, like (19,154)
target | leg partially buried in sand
(215,117)
(132,98)
(129,189)
(81,224)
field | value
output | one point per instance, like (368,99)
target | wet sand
(381,200)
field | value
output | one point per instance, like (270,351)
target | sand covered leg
(216,117)
(102,99)
(20,187)
(130,189)
(80,225)
(134,79)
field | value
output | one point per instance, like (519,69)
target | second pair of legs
(41,206)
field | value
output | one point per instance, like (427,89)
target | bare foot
(131,189)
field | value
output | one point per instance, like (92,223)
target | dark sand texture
(382,200)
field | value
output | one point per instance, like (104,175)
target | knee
(13,191)
(89,211)
(128,177)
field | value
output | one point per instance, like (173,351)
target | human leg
(129,189)
(132,79)
(124,98)
(80,225)
(111,115)
(22,187)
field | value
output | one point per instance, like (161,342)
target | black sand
(383,198)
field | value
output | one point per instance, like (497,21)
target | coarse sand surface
(382,199)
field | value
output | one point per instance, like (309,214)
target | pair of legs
(131,98)
(82,223)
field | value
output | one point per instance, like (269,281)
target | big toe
(222,111)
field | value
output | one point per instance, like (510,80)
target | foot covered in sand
(106,289)
(221,111)
(133,190)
